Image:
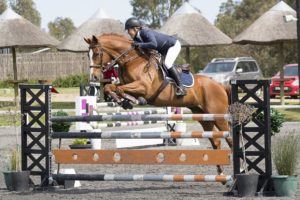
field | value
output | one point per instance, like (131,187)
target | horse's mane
(114,35)
(125,39)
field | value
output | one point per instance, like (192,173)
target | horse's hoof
(126,104)
(142,101)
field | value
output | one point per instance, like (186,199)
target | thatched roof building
(271,27)
(98,24)
(16,31)
(192,29)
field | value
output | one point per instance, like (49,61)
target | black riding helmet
(132,22)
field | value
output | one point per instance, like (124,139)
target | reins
(113,62)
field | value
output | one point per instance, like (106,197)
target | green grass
(9,92)
(72,90)
(63,105)
(5,121)
(291,115)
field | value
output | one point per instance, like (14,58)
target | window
(291,71)
(219,67)
(247,66)
(253,67)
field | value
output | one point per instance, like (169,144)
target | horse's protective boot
(180,89)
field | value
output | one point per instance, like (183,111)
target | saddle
(183,70)
(160,63)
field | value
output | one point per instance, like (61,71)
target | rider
(166,45)
(111,74)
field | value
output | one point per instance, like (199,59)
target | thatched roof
(192,29)
(270,27)
(98,24)
(16,31)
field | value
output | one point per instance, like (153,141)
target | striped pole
(143,177)
(107,104)
(158,117)
(142,135)
(145,112)
(96,125)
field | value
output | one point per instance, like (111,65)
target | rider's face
(132,32)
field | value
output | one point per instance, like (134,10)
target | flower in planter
(82,141)
(61,126)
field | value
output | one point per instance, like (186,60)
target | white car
(223,70)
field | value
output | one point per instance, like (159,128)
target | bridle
(112,63)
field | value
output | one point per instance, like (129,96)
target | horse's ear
(87,40)
(95,39)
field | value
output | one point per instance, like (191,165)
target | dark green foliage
(3,6)
(27,9)
(61,28)
(71,81)
(154,12)
(277,119)
(60,126)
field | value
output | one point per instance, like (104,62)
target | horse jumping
(141,78)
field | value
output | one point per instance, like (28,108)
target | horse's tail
(228,91)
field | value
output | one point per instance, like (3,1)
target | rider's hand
(115,81)
(135,45)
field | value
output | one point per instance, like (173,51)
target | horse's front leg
(110,89)
(135,88)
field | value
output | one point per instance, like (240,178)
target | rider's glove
(115,81)
(135,45)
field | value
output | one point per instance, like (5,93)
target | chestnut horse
(140,77)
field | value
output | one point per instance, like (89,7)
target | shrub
(71,81)
(61,126)
(286,154)
(80,141)
(277,118)
(13,160)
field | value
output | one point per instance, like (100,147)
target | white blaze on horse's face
(91,53)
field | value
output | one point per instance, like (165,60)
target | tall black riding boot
(180,89)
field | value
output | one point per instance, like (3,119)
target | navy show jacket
(155,40)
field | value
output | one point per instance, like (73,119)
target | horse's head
(98,57)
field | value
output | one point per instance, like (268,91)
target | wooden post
(15,82)
(187,55)
(281,63)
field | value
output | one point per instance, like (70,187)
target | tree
(3,6)
(61,27)
(27,9)
(154,12)
(235,17)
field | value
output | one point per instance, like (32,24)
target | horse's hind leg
(224,126)
(209,126)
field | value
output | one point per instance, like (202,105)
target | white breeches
(172,54)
